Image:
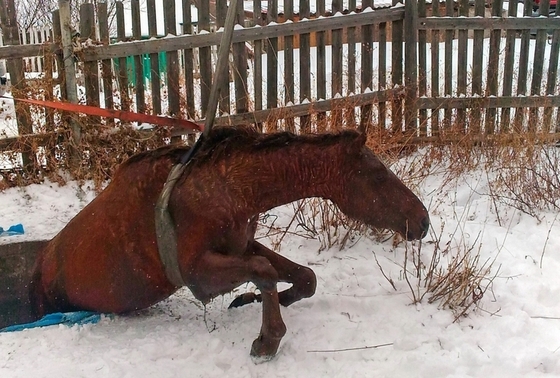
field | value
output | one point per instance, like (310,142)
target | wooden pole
(221,67)
(69,75)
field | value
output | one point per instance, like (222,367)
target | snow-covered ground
(515,333)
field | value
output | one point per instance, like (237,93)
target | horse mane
(226,139)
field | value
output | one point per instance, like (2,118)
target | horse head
(375,195)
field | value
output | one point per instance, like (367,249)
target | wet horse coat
(106,258)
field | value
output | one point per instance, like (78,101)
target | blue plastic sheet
(16,229)
(66,318)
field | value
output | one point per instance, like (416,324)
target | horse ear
(358,141)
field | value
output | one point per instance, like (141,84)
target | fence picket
(507,82)
(122,77)
(434,79)
(188,62)
(139,89)
(257,61)
(366,79)
(475,121)
(91,69)
(305,66)
(289,89)
(552,76)
(272,64)
(224,99)
(106,64)
(321,77)
(337,70)
(205,56)
(240,68)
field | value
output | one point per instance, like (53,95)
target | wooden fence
(424,67)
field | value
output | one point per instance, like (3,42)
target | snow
(356,325)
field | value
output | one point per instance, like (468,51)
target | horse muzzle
(419,231)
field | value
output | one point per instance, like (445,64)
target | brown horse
(106,259)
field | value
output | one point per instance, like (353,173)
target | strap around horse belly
(165,229)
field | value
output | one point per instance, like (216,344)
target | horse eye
(380,176)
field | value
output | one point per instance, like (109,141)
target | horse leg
(302,278)
(216,274)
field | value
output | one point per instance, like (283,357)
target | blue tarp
(16,229)
(66,318)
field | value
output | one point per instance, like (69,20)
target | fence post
(10,31)
(411,65)
(69,75)
(91,69)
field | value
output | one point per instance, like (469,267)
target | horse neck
(288,174)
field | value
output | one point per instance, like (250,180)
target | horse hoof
(263,352)
(257,360)
(244,299)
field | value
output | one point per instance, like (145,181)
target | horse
(106,258)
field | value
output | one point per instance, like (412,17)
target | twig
(546,241)
(350,349)
(383,272)
(545,317)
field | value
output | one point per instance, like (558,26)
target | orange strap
(111,113)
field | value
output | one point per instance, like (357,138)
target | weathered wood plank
(308,109)
(224,97)
(188,62)
(350,118)
(552,77)
(366,78)
(172,57)
(462,61)
(475,118)
(250,34)
(205,53)
(155,79)
(122,76)
(257,61)
(240,71)
(411,66)
(106,64)
(397,57)
(493,71)
(289,89)
(488,102)
(304,66)
(272,64)
(240,35)
(507,81)
(422,70)
(538,63)
(382,72)
(337,70)
(448,65)
(139,89)
(520,113)
(91,74)
(488,23)
(434,82)
(321,75)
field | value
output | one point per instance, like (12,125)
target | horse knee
(265,276)
(307,282)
